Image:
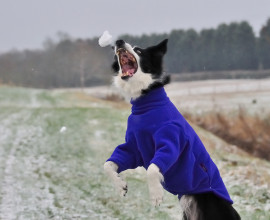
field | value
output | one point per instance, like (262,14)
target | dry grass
(114,97)
(251,133)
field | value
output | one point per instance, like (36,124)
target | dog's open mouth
(128,63)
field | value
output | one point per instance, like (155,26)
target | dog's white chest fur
(132,88)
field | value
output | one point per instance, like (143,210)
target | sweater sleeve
(169,144)
(126,156)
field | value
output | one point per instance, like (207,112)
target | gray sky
(27,23)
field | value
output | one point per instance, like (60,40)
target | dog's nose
(119,43)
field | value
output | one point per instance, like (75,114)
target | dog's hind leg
(207,206)
(213,207)
(184,216)
(190,208)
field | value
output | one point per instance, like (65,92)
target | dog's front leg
(154,179)
(111,168)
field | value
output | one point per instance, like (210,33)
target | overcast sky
(27,23)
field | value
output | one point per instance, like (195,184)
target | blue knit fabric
(157,133)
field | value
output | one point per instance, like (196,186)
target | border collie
(161,140)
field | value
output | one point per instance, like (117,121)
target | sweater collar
(151,100)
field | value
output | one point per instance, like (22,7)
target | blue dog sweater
(157,133)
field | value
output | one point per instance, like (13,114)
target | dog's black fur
(205,206)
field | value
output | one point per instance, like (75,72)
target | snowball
(63,129)
(105,39)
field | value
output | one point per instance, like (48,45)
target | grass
(49,174)
(247,131)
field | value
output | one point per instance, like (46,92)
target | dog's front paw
(156,194)
(111,169)
(121,185)
(154,179)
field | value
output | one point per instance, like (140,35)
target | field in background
(238,111)
(49,172)
(214,75)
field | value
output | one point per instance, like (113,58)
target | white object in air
(105,39)
(63,129)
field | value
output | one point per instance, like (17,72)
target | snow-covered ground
(208,95)
(48,172)
(221,95)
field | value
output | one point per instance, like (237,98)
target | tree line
(67,63)
(228,47)
(81,62)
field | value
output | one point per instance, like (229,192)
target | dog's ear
(162,46)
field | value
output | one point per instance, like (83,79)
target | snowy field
(53,145)
(205,96)
(222,95)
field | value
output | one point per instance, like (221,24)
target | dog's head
(139,70)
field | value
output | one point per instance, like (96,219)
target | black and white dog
(139,73)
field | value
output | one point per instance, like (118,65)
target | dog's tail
(207,206)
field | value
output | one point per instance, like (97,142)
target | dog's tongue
(128,69)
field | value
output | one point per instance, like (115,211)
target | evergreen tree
(264,46)
(206,50)
(173,58)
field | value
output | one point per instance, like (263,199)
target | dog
(159,139)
